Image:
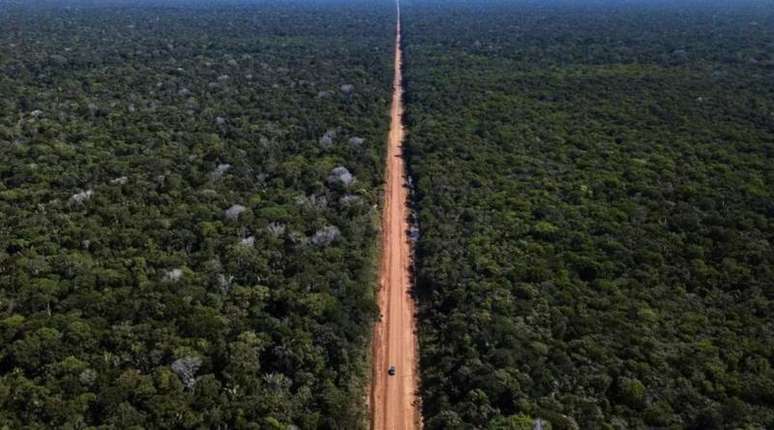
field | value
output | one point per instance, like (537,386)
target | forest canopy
(595,196)
(188,213)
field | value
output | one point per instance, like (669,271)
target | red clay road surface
(394,404)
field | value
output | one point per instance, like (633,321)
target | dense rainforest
(595,197)
(188,212)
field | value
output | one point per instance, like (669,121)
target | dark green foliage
(129,297)
(595,194)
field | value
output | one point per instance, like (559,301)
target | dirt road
(393,398)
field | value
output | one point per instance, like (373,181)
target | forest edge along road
(393,399)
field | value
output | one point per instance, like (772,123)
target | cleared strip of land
(393,398)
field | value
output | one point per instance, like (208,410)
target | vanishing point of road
(394,402)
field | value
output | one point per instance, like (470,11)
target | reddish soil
(394,401)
